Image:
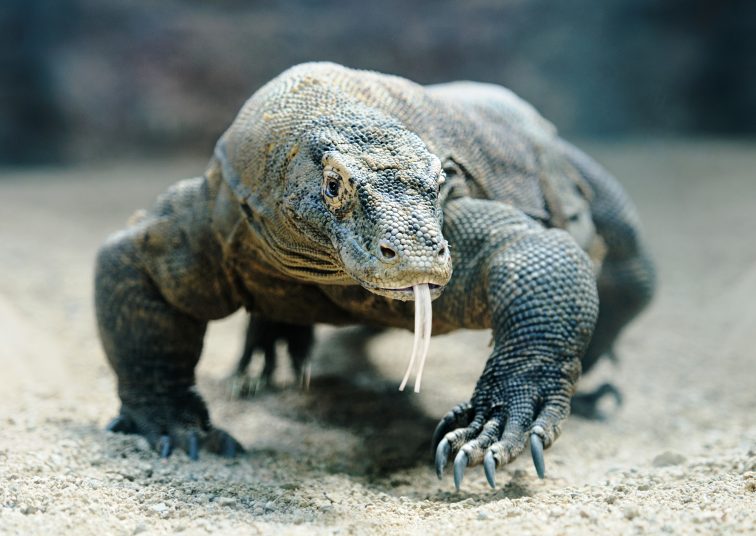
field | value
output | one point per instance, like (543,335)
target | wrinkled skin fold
(350,197)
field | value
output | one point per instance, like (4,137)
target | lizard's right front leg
(153,347)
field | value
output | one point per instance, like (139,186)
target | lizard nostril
(387,252)
(442,250)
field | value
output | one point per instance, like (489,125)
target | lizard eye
(336,191)
(332,187)
(337,188)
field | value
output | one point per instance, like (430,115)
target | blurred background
(105,103)
(92,79)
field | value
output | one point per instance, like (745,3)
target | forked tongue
(423,323)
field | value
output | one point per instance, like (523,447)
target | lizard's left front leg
(535,288)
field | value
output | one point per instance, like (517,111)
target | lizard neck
(289,253)
(269,242)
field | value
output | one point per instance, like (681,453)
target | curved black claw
(230,447)
(165,447)
(442,428)
(460,414)
(442,456)
(193,446)
(121,425)
(460,464)
(489,467)
(536,451)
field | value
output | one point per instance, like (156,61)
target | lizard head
(367,190)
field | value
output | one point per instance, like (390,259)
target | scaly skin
(332,194)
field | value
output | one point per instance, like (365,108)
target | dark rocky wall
(85,79)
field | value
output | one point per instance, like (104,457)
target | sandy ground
(351,456)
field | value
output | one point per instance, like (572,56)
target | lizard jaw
(404,293)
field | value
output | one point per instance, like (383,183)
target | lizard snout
(390,253)
(402,263)
(413,255)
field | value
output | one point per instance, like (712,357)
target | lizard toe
(588,405)
(121,425)
(501,438)
(460,415)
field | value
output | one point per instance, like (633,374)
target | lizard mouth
(404,293)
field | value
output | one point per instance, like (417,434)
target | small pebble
(667,459)
(159,508)
(27,509)
(630,512)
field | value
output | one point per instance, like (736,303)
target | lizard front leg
(535,288)
(154,292)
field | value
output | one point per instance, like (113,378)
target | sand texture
(351,456)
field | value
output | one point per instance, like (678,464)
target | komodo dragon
(341,196)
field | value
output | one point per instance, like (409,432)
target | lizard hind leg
(627,278)
(300,341)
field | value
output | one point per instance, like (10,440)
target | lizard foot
(494,437)
(587,405)
(182,423)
